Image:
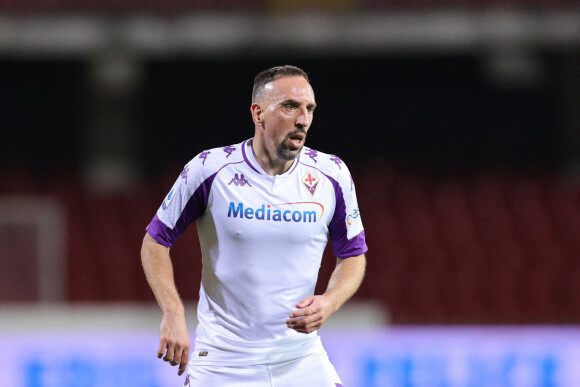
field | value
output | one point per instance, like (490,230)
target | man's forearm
(174,342)
(159,272)
(346,279)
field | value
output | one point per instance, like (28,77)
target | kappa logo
(239,180)
(337,161)
(184,173)
(229,150)
(204,155)
(312,154)
(310,180)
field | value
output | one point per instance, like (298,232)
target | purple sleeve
(351,247)
(161,233)
(342,247)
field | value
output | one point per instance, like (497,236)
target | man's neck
(271,164)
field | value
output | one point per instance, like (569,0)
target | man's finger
(169,354)
(305,302)
(161,350)
(176,357)
(302,313)
(183,364)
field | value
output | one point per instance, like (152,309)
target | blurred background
(459,120)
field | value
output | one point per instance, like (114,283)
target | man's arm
(173,336)
(313,311)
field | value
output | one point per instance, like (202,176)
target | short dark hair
(273,73)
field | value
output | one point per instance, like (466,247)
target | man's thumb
(304,303)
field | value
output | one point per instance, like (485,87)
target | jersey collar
(250,159)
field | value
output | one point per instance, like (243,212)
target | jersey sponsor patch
(298,212)
(168,199)
(310,181)
(352,216)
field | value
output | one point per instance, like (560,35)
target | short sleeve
(346,229)
(184,203)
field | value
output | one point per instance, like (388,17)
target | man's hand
(312,313)
(174,343)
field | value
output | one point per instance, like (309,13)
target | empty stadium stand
(491,248)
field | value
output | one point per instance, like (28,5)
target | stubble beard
(284,152)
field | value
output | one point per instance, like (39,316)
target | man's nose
(303,119)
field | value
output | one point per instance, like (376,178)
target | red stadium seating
(493,248)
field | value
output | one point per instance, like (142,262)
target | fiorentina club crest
(310,180)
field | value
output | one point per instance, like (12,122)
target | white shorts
(308,371)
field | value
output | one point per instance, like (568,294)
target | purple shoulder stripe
(337,226)
(195,207)
(342,247)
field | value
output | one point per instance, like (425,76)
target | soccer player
(265,209)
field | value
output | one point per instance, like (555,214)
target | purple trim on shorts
(246,157)
(342,247)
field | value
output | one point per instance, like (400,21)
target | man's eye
(290,107)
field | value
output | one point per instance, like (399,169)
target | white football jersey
(262,238)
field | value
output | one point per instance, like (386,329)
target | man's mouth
(297,139)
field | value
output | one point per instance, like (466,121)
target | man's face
(288,107)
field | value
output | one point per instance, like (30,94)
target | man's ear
(257,113)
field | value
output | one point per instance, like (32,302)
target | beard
(285,152)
